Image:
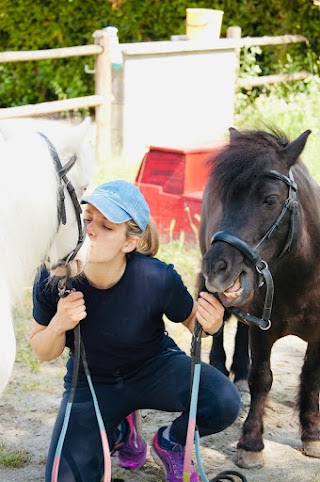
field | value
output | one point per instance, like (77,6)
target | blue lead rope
(193,432)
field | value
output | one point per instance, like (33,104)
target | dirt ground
(30,403)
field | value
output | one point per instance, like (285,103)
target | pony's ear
(77,133)
(234,134)
(294,149)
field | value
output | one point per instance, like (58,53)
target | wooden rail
(276,40)
(62,53)
(241,42)
(271,79)
(50,107)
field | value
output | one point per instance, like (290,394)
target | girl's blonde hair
(149,238)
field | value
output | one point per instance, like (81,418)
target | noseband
(62,215)
(252,254)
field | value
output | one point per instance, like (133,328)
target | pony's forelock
(243,159)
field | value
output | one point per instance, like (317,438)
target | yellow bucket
(203,23)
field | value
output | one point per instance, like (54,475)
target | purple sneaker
(171,461)
(132,454)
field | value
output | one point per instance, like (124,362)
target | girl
(120,302)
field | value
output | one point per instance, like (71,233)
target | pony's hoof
(250,460)
(243,389)
(312,448)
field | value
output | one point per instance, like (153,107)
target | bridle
(252,254)
(61,210)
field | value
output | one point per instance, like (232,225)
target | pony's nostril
(220,266)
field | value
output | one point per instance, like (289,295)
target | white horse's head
(71,145)
(31,225)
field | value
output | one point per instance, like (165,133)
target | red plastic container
(172,179)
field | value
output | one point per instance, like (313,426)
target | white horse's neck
(27,220)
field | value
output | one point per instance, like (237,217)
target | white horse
(30,232)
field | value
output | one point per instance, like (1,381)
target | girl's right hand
(70,311)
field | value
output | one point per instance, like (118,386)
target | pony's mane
(243,159)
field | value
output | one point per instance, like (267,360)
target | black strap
(228,475)
(62,215)
(291,205)
(229,238)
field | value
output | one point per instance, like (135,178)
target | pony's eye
(271,200)
(82,190)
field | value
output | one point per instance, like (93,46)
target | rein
(64,289)
(192,430)
(252,254)
(80,355)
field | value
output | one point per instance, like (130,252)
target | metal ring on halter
(261,269)
(264,328)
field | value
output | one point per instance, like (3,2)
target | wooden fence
(102,98)
(248,83)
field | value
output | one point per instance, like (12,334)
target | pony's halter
(62,215)
(252,254)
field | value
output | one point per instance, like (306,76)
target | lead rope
(79,353)
(192,431)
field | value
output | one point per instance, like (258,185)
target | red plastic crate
(172,181)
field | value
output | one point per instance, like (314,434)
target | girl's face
(108,241)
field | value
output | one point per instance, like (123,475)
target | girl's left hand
(209,313)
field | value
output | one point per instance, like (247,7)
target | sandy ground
(30,403)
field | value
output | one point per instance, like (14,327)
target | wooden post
(103,86)
(235,34)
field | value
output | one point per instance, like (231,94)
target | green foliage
(38,24)
(292,106)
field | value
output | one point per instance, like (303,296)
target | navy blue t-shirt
(124,326)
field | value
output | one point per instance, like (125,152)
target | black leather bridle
(62,215)
(252,254)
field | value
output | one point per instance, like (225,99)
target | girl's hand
(209,313)
(70,311)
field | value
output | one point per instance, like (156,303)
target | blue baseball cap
(119,201)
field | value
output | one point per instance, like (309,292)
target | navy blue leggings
(162,384)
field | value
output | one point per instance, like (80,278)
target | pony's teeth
(232,295)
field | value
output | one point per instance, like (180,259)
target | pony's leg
(217,356)
(250,445)
(241,362)
(7,339)
(309,401)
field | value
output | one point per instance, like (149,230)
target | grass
(12,457)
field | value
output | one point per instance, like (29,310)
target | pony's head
(251,180)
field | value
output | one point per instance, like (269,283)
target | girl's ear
(131,244)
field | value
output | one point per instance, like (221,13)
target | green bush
(39,24)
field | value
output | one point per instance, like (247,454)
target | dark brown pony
(266,207)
